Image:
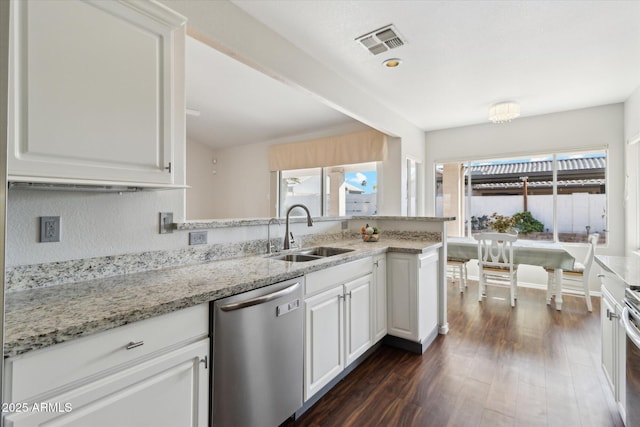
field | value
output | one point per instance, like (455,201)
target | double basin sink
(310,254)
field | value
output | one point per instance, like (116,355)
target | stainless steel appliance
(631,322)
(257,348)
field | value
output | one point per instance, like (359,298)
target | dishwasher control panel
(287,307)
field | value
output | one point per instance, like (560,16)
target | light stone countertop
(625,268)
(38,318)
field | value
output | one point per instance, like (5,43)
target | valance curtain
(357,147)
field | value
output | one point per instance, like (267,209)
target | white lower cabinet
(150,373)
(379,297)
(169,390)
(324,339)
(358,310)
(337,322)
(614,344)
(412,295)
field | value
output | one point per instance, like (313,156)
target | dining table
(531,252)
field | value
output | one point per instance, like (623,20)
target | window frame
(554,155)
(323,186)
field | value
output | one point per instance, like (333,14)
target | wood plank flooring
(498,366)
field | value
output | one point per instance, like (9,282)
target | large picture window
(555,197)
(331,191)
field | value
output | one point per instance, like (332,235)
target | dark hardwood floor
(498,366)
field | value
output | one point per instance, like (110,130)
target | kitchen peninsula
(47,318)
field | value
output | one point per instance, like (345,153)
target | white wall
(92,224)
(587,128)
(219,24)
(632,171)
(201,198)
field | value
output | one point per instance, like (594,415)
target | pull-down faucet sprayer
(287,236)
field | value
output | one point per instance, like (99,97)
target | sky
(356,178)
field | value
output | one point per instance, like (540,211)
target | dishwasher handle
(261,299)
(632,331)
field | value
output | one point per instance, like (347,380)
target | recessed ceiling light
(392,62)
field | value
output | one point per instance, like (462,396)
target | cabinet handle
(612,315)
(132,345)
(205,361)
(348,294)
(376,264)
(600,275)
(340,296)
(168,168)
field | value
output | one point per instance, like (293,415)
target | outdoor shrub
(526,223)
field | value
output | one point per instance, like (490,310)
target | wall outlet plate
(198,238)
(49,229)
(166,222)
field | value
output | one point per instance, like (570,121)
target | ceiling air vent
(381,40)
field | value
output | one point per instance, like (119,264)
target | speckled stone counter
(37,318)
(627,269)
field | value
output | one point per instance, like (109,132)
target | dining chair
(457,269)
(495,263)
(579,273)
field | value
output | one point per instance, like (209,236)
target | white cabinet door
(402,315)
(169,390)
(324,338)
(358,317)
(412,295)
(607,306)
(97,91)
(427,294)
(621,363)
(379,295)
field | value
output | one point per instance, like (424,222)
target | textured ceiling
(460,57)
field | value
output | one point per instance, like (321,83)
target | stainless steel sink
(295,257)
(310,254)
(324,251)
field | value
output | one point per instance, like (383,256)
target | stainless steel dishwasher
(257,349)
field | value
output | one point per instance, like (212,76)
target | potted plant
(501,223)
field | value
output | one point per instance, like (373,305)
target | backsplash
(42,275)
(56,273)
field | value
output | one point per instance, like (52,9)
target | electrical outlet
(166,222)
(198,238)
(49,229)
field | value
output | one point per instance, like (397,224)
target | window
(332,191)
(566,205)
(301,186)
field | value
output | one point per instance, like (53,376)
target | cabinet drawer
(324,279)
(39,372)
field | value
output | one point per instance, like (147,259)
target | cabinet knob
(132,345)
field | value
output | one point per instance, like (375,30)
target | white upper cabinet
(97,92)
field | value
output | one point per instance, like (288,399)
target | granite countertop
(38,318)
(626,269)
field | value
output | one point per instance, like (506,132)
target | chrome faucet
(289,236)
(269,245)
